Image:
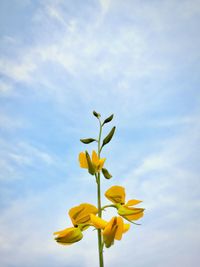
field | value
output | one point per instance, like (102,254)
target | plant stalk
(98,178)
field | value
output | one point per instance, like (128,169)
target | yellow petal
(69,236)
(63,232)
(83,160)
(126,227)
(134,217)
(98,222)
(116,194)
(120,228)
(81,214)
(126,211)
(133,202)
(110,225)
(95,158)
(109,232)
(101,163)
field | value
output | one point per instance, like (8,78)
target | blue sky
(59,61)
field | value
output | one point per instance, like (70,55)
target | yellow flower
(80,217)
(69,236)
(116,194)
(96,162)
(111,230)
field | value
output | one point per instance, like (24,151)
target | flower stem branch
(108,206)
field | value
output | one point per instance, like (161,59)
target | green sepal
(108,119)
(87,140)
(91,169)
(98,115)
(106,173)
(107,139)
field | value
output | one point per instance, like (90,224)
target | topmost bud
(108,119)
(98,115)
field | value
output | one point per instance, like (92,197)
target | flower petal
(126,227)
(69,236)
(98,222)
(101,163)
(109,232)
(136,216)
(133,202)
(120,228)
(110,225)
(95,158)
(125,211)
(116,194)
(83,160)
(81,214)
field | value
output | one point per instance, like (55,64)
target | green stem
(98,179)
(108,206)
(99,140)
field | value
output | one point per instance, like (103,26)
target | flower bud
(107,139)
(106,173)
(87,140)
(69,236)
(108,119)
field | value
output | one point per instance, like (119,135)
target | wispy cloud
(5,89)
(19,155)
(18,71)
(8,123)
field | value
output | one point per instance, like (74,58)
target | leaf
(87,140)
(96,114)
(107,139)
(91,169)
(106,173)
(108,119)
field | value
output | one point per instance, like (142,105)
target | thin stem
(99,140)
(108,206)
(100,247)
(99,194)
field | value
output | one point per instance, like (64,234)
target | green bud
(91,169)
(108,119)
(107,139)
(87,140)
(106,173)
(98,115)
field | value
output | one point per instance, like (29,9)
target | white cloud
(164,178)
(9,123)
(18,71)
(54,12)
(105,5)
(174,121)
(82,51)
(9,40)
(5,89)
(34,152)
(13,157)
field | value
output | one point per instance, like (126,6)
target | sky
(59,61)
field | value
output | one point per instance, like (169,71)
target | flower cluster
(93,163)
(80,217)
(116,194)
(84,216)
(87,215)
